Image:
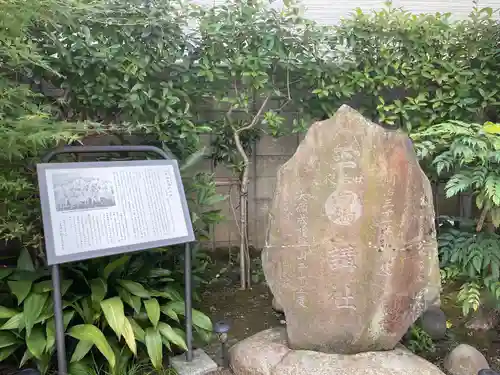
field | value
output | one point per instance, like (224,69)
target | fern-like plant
(473,260)
(467,155)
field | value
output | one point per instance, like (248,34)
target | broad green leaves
(32,309)
(153,310)
(99,289)
(7,339)
(90,333)
(172,336)
(20,289)
(114,313)
(142,315)
(81,350)
(134,288)
(36,342)
(6,313)
(115,316)
(154,347)
(199,319)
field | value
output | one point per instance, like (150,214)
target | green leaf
(122,355)
(6,313)
(65,285)
(20,289)
(135,288)
(139,333)
(7,339)
(67,317)
(129,336)
(133,301)
(43,287)
(46,286)
(193,159)
(33,307)
(36,342)
(50,334)
(115,265)
(89,332)
(84,309)
(81,368)
(26,357)
(203,335)
(98,289)
(168,293)
(153,310)
(170,313)
(5,272)
(172,336)
(7,352)
(81,350)
(16,322)
(154,347)
(24,262)
(199,319)
(50,328)
(114,313)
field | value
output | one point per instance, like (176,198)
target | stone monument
(351,254)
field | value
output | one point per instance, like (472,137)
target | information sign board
(95,209)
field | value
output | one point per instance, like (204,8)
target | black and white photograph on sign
(92,208)
(75,192)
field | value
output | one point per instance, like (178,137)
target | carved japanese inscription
(351,240)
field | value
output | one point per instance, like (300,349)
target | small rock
(465,360)
(260,353)
(433,321)
(487,372)
(283,322)
(483,320)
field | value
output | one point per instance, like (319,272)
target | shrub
(130,297)
(100,296)
(473,261)
(413,71)
(125,64)
(467,156)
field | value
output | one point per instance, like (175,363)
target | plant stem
(481,220)
(244,252)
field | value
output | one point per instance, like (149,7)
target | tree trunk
(243,227)
(244,251)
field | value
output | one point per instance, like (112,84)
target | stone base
(267,353)
(201,364)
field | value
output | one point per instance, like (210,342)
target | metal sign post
(55,259)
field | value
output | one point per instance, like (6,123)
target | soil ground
(249,311)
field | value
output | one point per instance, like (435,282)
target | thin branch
(482,218)
(288,84)
(254,120)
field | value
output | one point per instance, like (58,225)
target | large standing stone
(351,253)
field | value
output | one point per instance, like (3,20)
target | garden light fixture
(221,328)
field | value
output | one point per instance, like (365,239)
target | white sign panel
(105,208)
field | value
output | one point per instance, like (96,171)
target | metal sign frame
(53,258)
(56,260)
